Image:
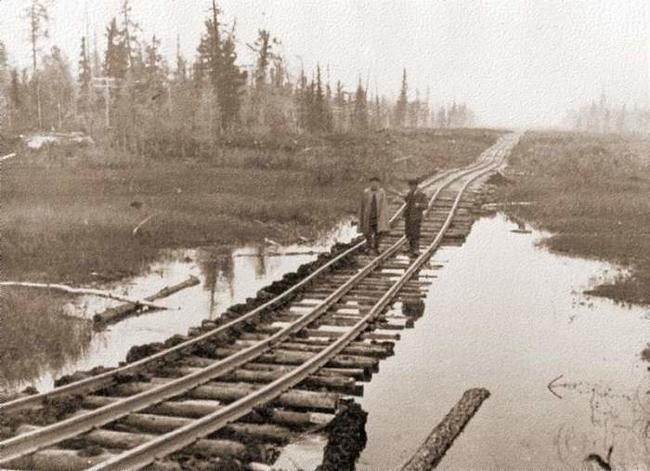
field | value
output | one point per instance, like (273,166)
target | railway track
(230,390)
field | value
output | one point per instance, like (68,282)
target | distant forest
(602,117)
(131,98)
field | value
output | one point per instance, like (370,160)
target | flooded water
(509,316)
(227,276)
(304,454)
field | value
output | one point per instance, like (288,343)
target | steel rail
(33,441)
(178,439)
(105,379)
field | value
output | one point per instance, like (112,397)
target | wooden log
(200,407)
(357,348)
(358,374)
(126,440)
(297,398)
(342,384)
(55,459)
(330,319)
(88,291)
(117,313)
(259,432)
(443,435)
(386,347)
(339,305)
(380,336)
(160,424)
(290,418)
(296,358)
(117,440)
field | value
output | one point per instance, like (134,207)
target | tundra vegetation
(191,151)
(591,191)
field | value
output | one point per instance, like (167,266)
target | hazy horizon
(516,63)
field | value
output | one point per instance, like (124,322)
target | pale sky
(515,62)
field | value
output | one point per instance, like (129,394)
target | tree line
(602,117)
(131,97)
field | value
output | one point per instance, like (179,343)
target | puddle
(305,454)
(227,276)
(509,316)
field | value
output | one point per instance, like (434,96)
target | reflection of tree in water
(36,337)
(617,420)
(260,261)
(218,269)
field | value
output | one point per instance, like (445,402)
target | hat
(413,180)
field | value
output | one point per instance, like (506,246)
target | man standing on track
(373,214)
(416,203)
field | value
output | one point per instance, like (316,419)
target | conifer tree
(360,113)
(231,81)
(402,104)
(441,120)
(38,17)
(85,76)
(85,71)
(115,58)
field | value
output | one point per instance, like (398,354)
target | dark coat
(416,204)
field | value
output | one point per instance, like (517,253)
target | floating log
(88,291)
(117,313)
(442,437)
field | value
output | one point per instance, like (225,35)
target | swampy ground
(69,214)
(592,192)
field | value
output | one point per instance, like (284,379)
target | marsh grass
(593,193)
(69,217)
(35,334)
(68,214)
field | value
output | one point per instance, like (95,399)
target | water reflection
(507,315)
(228,275)
(69,340)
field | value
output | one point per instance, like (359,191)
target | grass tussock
(35,334)
(591,191)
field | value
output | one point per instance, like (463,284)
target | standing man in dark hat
(416,204)
(373,214)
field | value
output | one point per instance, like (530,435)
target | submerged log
(442,437)
(117,313)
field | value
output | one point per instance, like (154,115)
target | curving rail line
(185,435)
(107,378)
